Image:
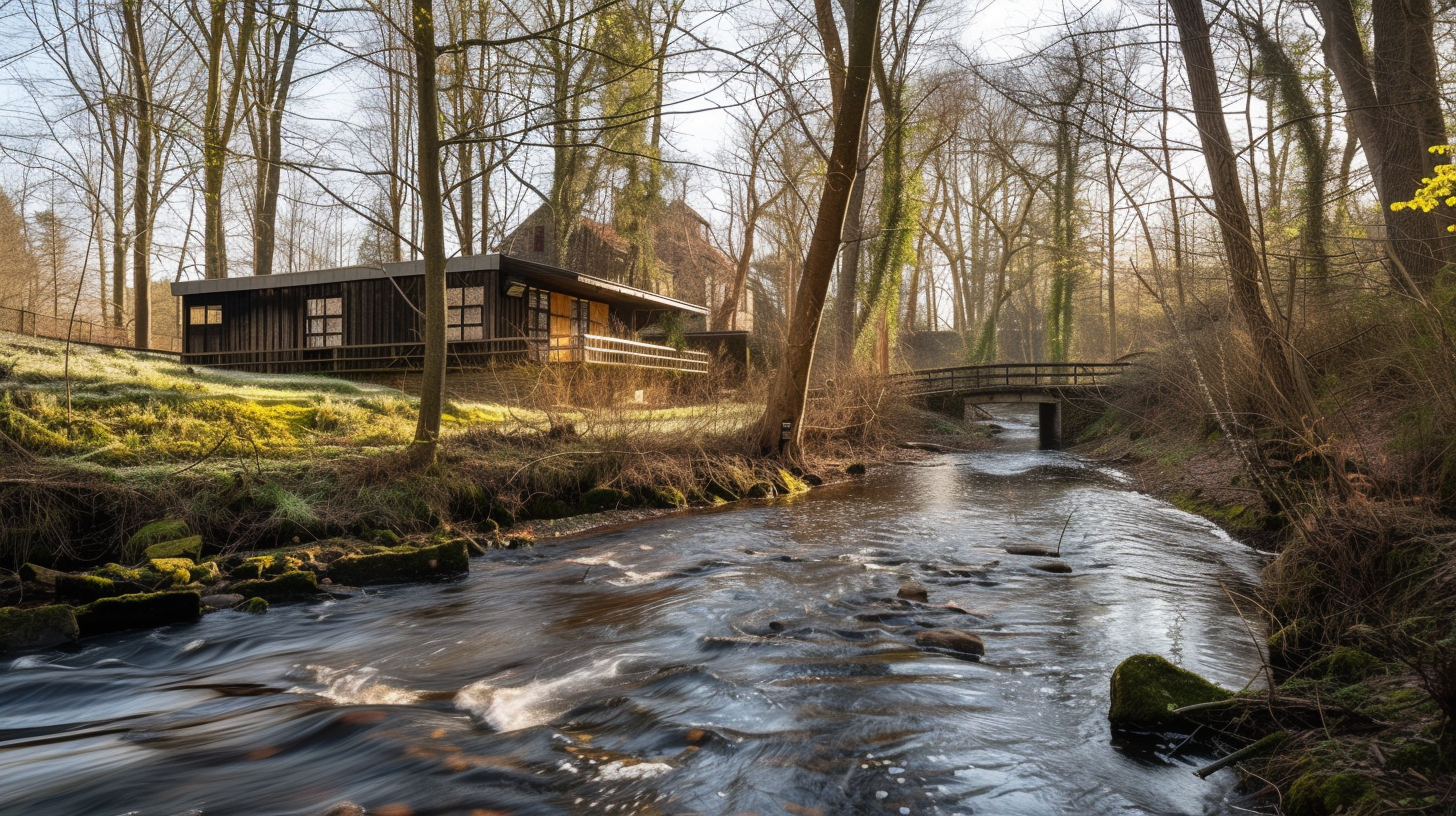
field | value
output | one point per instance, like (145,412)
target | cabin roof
(546,277)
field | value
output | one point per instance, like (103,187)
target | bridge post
(1049,424)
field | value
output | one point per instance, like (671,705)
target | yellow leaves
(1434,192)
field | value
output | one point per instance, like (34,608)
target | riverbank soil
(113,459)
(1360,601)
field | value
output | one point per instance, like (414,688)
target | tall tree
(432,229)
(280,38)
(141,268)
(226,39)
(781,427)
(1289,398)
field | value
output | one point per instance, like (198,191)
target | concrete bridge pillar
(1049,424)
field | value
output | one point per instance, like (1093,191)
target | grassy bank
(107,441)
(1360,599)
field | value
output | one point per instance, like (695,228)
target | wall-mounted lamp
(515,287)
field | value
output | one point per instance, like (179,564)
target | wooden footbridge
(1048,385)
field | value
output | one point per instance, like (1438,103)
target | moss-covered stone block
(169,565)
(263,566)
(759,490)
(143,610)
(1147,688)
(290,586)
(790,484)
(599,499)
(384,538)
(856,469)
(253,606)
(426,563)
(189,548)
(157,532)
(206,572)
(84,588)
(38,628)
(39,574)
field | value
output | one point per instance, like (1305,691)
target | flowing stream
(750,661)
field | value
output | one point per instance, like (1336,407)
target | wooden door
(563,345)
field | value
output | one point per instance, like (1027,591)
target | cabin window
(538,239)
(538,313)
(204,316)
(466,316)
(580,317)
(325,324)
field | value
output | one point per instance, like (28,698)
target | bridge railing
(1005,377)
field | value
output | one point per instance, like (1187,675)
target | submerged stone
(1146,689)
(912,591)
(226,600)
(143,610)
(38,628)
(440,561)
(189,548)
(956,642)
(84,588)
(290,586)
(1060,567)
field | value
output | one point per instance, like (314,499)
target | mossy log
(290,586)
(440,561)
(1147,688)
(139,611)
(38,628)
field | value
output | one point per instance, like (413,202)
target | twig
(1064,532)
(1263,745)
(205,456)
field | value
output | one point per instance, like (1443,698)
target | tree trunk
(265,223)
(141,243)
(1393,96)
(432,215)
(1232,213)
(217,126)
(790,388)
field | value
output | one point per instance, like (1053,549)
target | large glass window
(325,323)
(466,316)
(204,316)
(580,317)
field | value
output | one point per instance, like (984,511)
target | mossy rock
(790,484)
(385,538)
(1315,794)
(502,515)
(1147,688)
(263,566)
(599,499)
(426,563)
(759,490)
(668,497)
(117,572)
(290,586)
(206,572)
(253,606)
(84,588)
(721,492)
(515,541)
(1425,758)
(548,507)
(189,548)
(38,628)
(143,610)
(856,469)
(157,532)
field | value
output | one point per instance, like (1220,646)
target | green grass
(134,409)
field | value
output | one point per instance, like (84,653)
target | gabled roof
(546,277)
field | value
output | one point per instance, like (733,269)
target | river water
(751,661)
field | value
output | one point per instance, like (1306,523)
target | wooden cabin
(369,319)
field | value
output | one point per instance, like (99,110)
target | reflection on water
(752,661)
